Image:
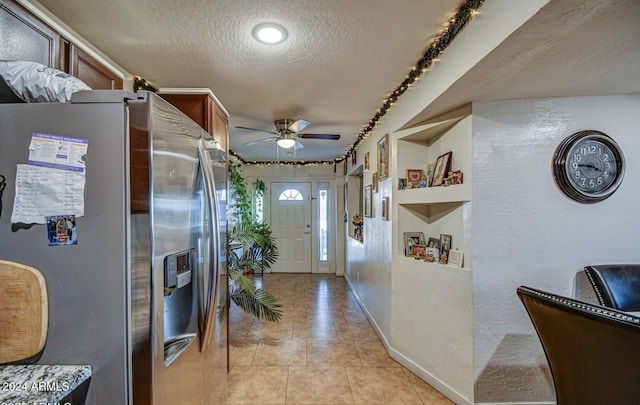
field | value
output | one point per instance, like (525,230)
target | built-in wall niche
(354,202)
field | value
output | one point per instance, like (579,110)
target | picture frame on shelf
(383,157)
(455,258)
(434,243)
(368,207)
(410,239)
(419,252)
(414,177)
(385,208)
(443,165)
(366,162)
(402,184)
(445,246)
(431,254)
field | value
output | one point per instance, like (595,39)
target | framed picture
(443,164)
(366,162)
(455,258)
(431,254)
(415,175)
(410,239)
(374,181)
(445,246)
(368,208)
(419,251)
(383,157)
(402,184)
(346,198)
(434,243)
(385,208)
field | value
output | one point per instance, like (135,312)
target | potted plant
(252,248)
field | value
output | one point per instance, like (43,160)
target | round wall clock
(588,166)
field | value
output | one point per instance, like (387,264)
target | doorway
(291,226)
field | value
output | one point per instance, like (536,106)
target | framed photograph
(455,258)
(368,208)
(383,157)
(402,184)
(434,243)
(445,246)
(385,208)
(366,162)
(419,251)
(443,164)
(410,239)
(431,254)
(374,181)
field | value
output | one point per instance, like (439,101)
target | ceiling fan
(287,131)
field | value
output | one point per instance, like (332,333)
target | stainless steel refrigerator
(136,280)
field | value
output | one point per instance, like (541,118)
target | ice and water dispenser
(180,303)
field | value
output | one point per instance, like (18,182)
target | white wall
(314,174)
(526,232)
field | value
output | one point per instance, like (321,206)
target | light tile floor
(323,351)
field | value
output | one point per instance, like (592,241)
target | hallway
(323,351)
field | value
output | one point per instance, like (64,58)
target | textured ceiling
(342,58)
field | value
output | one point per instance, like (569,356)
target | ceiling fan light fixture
(269,33)
(286,142)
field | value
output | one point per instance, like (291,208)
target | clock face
(588,166)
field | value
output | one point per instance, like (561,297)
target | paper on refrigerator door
(58,152)
(43,192)
(53,181)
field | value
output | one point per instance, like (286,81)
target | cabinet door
(24,37)
(91,72)
(220,126)
(204,111)
(194,106)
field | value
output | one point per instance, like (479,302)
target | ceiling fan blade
(298,146)
(334,137)
(298,125)
(259,130)
(273,138)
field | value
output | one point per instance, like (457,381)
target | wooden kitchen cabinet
(25,37)
(90,71)
(201,106)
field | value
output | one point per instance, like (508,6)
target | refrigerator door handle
(209,290)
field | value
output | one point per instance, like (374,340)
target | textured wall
(526,232)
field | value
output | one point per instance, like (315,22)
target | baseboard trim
(406,362)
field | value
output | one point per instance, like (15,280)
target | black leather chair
(593,352)
(616,285)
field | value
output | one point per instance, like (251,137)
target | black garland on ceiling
(437,47)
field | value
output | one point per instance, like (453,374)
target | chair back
(616,285)
(593,352)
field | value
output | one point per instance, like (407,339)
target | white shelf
(429,266)
(429,133)
(434,195)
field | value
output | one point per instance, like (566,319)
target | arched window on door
(290,194)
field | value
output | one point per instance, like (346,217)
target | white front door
(291,226)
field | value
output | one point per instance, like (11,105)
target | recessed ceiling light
(269,33)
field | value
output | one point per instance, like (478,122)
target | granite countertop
(35,383)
